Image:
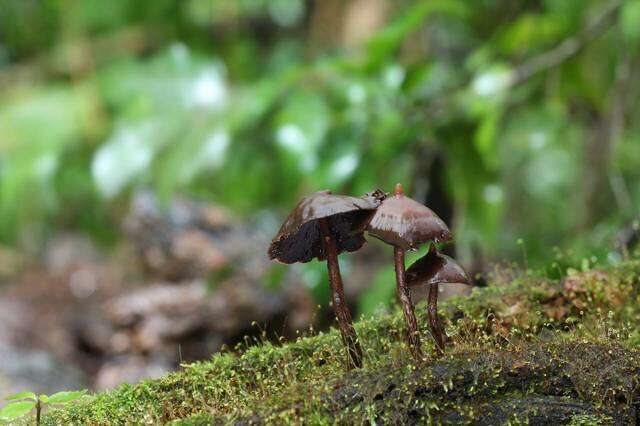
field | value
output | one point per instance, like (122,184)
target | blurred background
(150,149)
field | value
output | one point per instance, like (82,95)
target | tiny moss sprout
(23,403)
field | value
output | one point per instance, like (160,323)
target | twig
(567,48)
(543,62)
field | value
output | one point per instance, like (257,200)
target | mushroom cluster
(323,225)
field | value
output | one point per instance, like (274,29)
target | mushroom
(432,269)
(405,224)
(322,226)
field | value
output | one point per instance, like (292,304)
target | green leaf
(630,20)
(386,42)
(36,128)
(22,395)
(65,397)
(16,409)
(493,82)
(532,29)
(486,138)
(300,128)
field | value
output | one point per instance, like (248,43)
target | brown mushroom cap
(436,268)
(403,222)
(300,239)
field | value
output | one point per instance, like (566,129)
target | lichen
(521,350)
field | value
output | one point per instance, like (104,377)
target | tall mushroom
(322,226)
(406,224)
(432,269)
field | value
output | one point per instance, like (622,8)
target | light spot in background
(548,171)
(614,258)
(537,140)
(493,194)
(83,283)
(211,155)
(179,53)
(286,13)
(45,165)
(122,158)
(394,76)
(492,82)
(214,149)
(356,93)
(209,89)
(344,167)
(291,138)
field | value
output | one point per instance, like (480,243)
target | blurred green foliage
(253,103)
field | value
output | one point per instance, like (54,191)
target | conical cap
(403,222)
(436,268)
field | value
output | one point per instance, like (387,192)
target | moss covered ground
(525,349)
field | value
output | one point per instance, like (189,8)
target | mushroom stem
(412,336)
(434,321)
(349,337)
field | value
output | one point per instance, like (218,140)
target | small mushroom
(405,224)
(432,269)
(322,226)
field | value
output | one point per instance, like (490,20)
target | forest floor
(524,349)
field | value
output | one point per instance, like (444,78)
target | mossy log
(524,350)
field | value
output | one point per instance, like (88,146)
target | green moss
(521,348)
(200,419)
(591,420)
